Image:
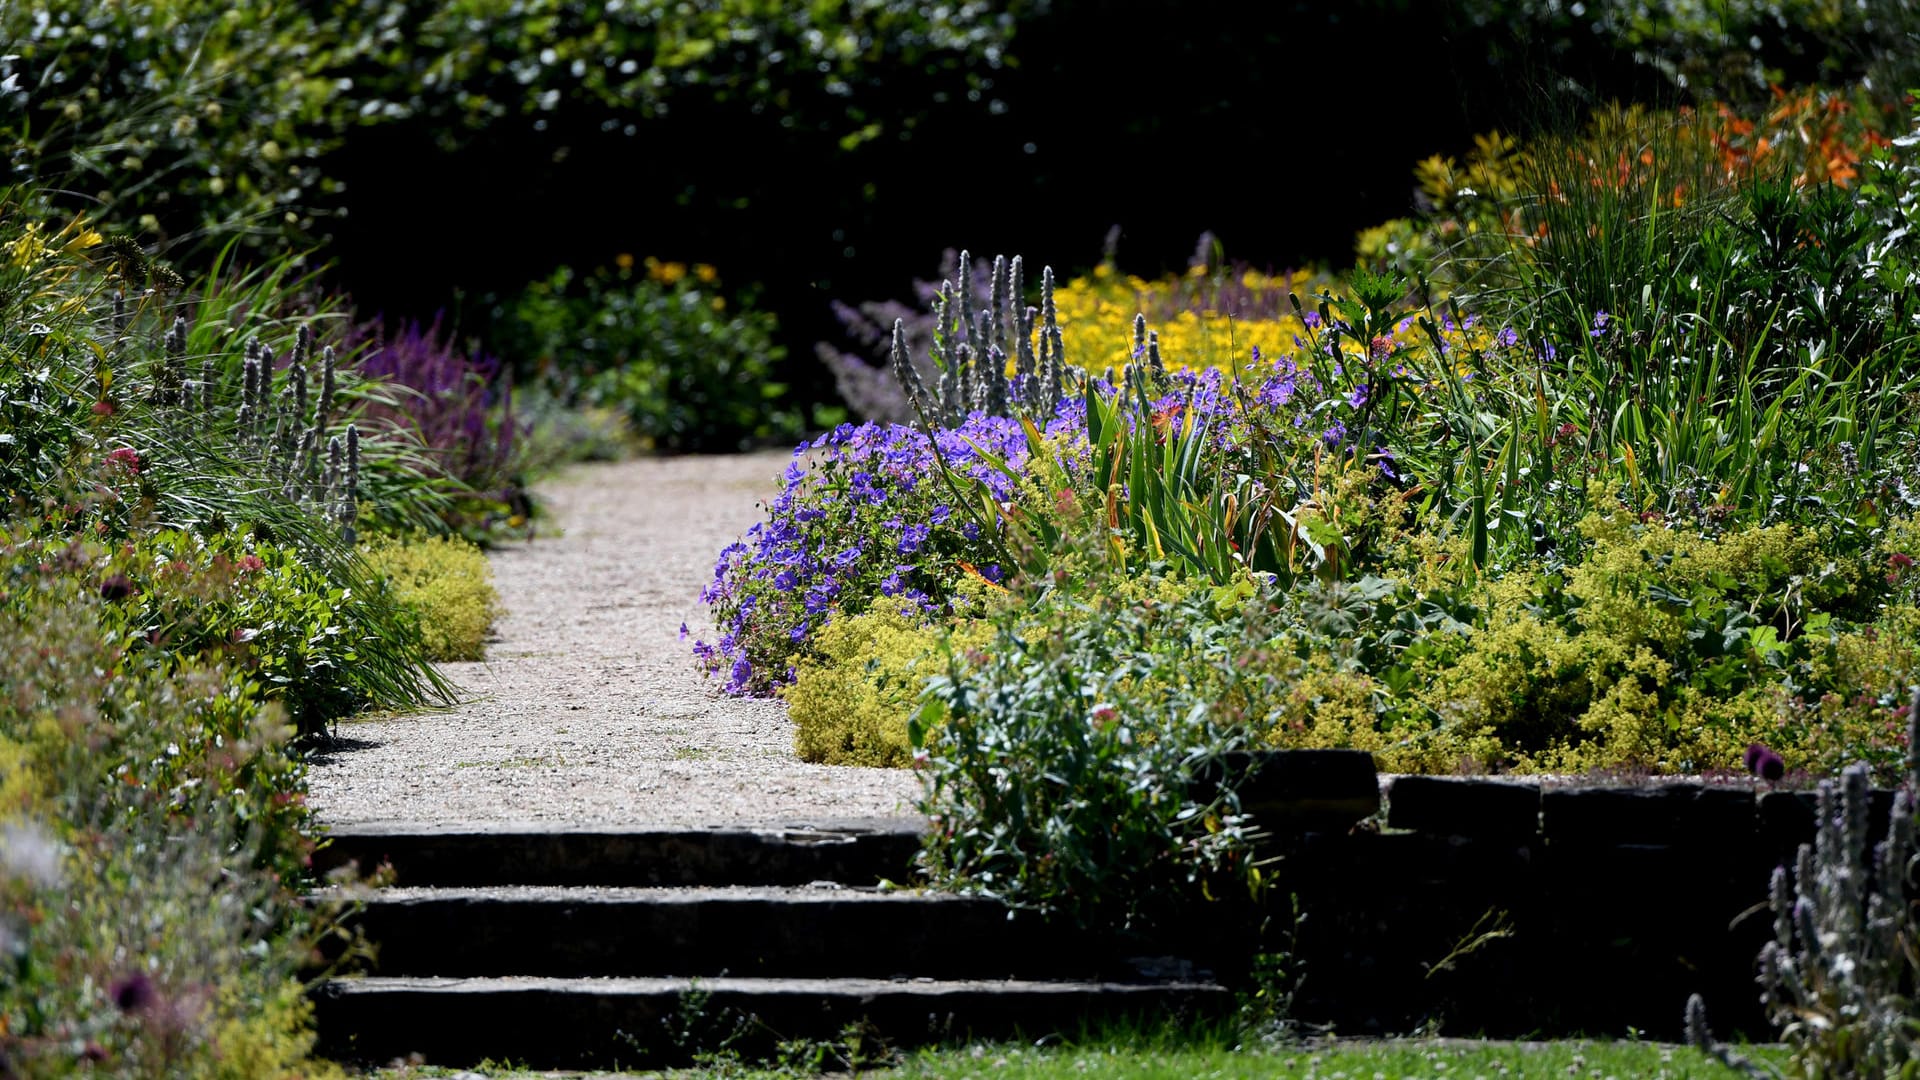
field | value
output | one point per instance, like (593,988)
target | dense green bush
(692,368)
(1726,48)
(155,828)
(197,120)
(1066,759)
(832,68)
(189,120)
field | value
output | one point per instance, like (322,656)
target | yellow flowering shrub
(850,704)
(1668,658)
(446,582)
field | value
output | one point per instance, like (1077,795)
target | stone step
(554,1023)
(852,853)
(760,931)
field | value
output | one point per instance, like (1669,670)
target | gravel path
(588,710)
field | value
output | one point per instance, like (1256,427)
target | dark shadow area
(326,749)
(1282,128)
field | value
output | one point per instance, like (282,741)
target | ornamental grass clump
(1839,975)
(285,430)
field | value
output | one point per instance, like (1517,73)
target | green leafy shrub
(1666,650)
(192,120)
(321,649)
(835,69)
(1661,650)
(156,837)
(1065,757)
(448,586)
(1729,49)
(691,369)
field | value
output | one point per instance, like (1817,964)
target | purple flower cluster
(863,516)
(462,405)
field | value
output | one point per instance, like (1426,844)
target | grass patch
(1174,1058)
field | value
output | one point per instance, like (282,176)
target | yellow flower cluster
(1096,314)
(1096,318)
(670,273)
(38,268)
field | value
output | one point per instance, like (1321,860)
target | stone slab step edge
(760,932)
(853,853)
(652,1023)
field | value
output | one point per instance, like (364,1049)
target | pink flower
(126,457)
(249,563)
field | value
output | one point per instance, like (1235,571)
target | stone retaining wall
(1613,903)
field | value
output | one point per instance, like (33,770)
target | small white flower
(27,851)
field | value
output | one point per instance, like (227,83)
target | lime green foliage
(447,584)
(850,704)
(691,368)
(1663,650)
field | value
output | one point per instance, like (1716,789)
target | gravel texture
(588,709)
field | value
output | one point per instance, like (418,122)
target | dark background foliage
(449,151)
(1281,127)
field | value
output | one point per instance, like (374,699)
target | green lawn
(1135,1059)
